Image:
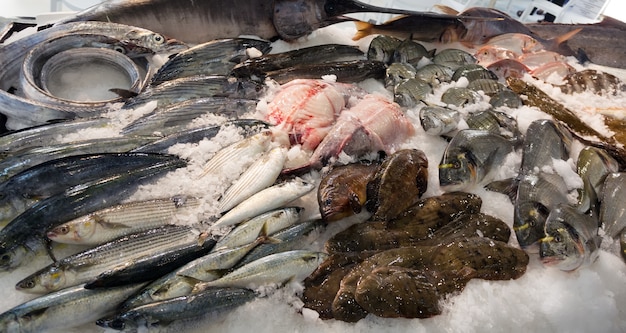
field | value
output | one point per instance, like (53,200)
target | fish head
(12,256)
(528,222)
(10,322)
(117,323)
(457,170)
(562,246)
(296,18)
(74,233)
(49,279)
(153,41)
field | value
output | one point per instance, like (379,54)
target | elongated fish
(276,268)
(117,254)
(24,235)
(52,311)
(115,221)
(242,150)
(268,199)
(164,312)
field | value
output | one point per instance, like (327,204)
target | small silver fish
(276,268)
(571,239)
(268,199)
(243,150)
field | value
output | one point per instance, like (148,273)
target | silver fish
(545,140)
(459,96)
(275,268)
(473,72)
(243,150)
(24,235)
(471,157)
(261,174)
(495,122)
(166,311)
(266,223)
(593,165)
(88,265)
(571,239)
(612,210)
(411,92)
(435,74)
(115,221)
(398,72)
(382,48)
(51,312)
(53,177)
(263,201)
(454,58)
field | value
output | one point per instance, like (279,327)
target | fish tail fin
(363,29)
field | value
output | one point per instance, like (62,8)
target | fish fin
(263,237)
(109,225)
(582,56)
(507,187)
(363,29)
(446,10)
(564,37)
(124,93)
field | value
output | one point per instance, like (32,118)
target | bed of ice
(543,299)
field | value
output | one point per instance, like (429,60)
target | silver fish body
(593,166)
(276,268)
(612,210)
(24,235)
(471,157)
(167,311)
(263,201)
(437,120)
(545,140)
(571,239)
(243,151)
(85,266)
(51,311)
(411,92)
(115,221)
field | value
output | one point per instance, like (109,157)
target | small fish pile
(405,265)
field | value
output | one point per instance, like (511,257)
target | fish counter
(434,173)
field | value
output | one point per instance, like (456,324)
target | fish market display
(281,170)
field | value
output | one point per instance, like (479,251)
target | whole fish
(612,212)
(344,71)
(217,57)
(426,27)
(471,158)
(495,122)
(24,235)
(546,140)
(49,178)
(126,251)
(166,311)
(268,199)
(261,174)
(437,120)
(51,311)
(593,166)
(176,117)
(109,223)
(571,239)
(243,150)
(276,268)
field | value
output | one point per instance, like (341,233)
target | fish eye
(557,238)
(6,258)
(119,49)
(532,223)
(158,38)
(63,230)
(29,284)
(456,165)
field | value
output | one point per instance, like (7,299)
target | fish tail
(363,29)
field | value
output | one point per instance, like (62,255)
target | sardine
(268,199)
(471,158)
(276,268)
(24,235)
(217,57)
(261,174)
(49,178)
(115,221)
(571,239)
(176,117)
(115,255)
(164,312)
(51,312)
(612,211)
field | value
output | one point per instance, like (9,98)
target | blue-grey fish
(164,312)
(593,166)
(612,209)
(64,309)
(571,239)
(25,234)
(437,120)
(545,140)
(471,157)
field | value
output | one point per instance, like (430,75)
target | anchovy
(270,198)
(24,235)
(107,224)
(53,311)
(261,174)
(166,311)
(49,178)
(110,257)
(275,268)
(176,117)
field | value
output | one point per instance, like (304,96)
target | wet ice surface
(543,299)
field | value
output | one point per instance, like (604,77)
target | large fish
(196,21)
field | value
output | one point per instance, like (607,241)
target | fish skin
(275,268)
(571,239)
(471,157)
(166,311)
(268,199)
(437,120)
(49,178)
(426,27)
(344,71)
(612,211)
(51,311)
(545,140)
(109,223)
(243,150)
(115,257)
(25,234)
(593,166)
